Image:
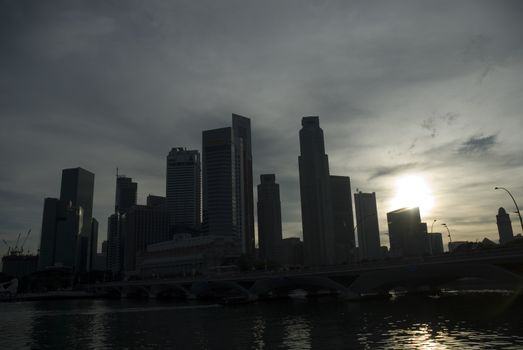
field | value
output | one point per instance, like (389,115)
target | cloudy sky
(427,89)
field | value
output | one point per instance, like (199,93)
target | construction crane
(8,246)
(16,245)
(25,240)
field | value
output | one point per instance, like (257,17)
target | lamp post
(450,238)
(432,226)
(516,204)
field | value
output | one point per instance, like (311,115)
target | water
(457,322)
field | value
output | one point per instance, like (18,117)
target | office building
(504,226)
(241,127)
(115,244)
(435,243)
(369,247)
(291,250)
(407,234)
(156,202)
(61,223)
(316,204)
(126,192)
(142,225)
(183,190)
(269,218)
(19,265)
(342,220)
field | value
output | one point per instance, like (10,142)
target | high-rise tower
(183,190)
(269,218)
(316,205)
(343,222)
(241,127)
(367,225)
(126,192)
(504,226)
(228,207)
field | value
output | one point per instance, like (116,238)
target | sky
(408,92)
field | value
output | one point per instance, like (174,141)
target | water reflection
(412,323)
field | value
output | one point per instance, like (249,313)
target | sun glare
(412,191)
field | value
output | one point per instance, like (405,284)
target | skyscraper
(126,192)
(78,188)
(316,204)
(435,243)
(504,226)
(125,199)
(367,225)
(227,183)
(269,218)
(407,233)
(183,190)
(220,201)
(242,136)
(343,222)
(61,223)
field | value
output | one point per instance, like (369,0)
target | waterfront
(475,321)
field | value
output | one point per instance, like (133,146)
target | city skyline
(455,104)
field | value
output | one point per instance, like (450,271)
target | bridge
(489,269)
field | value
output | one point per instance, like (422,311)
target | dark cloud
(478,144)
(388,171)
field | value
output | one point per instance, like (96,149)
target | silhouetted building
(93,246)
(407,234)
(435,243)
(156,202)
(125,199)
(369,247)
(61,224)
(343,222)
(504,226)
(186,255)
(115,244)
(242,137)
(183,190)
(142,225)
(126,192)
(269,218)
(77,188)
(316,202)
(19,265)
(291,250)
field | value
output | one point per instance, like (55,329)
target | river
(474,321)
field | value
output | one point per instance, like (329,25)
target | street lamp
(450,238)
(432,227)
(516,204)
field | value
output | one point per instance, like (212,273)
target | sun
(412,191)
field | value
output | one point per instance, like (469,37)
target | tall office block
(125,199)
(115,244)
(435,243)
(221,209)
(316,204)
(156,201)
(367,225)
(242,135)
(143,225)
(78,188)
(504,226)
(269,218)
(343,222)
(61,223)
(407,233)
(183,190)
(93,246)
(126,193)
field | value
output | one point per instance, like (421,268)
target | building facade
(435,243)
(407,233)
(183,190)
(369,247)
(316,203)
(504,226)
(343,222)
(269,218)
